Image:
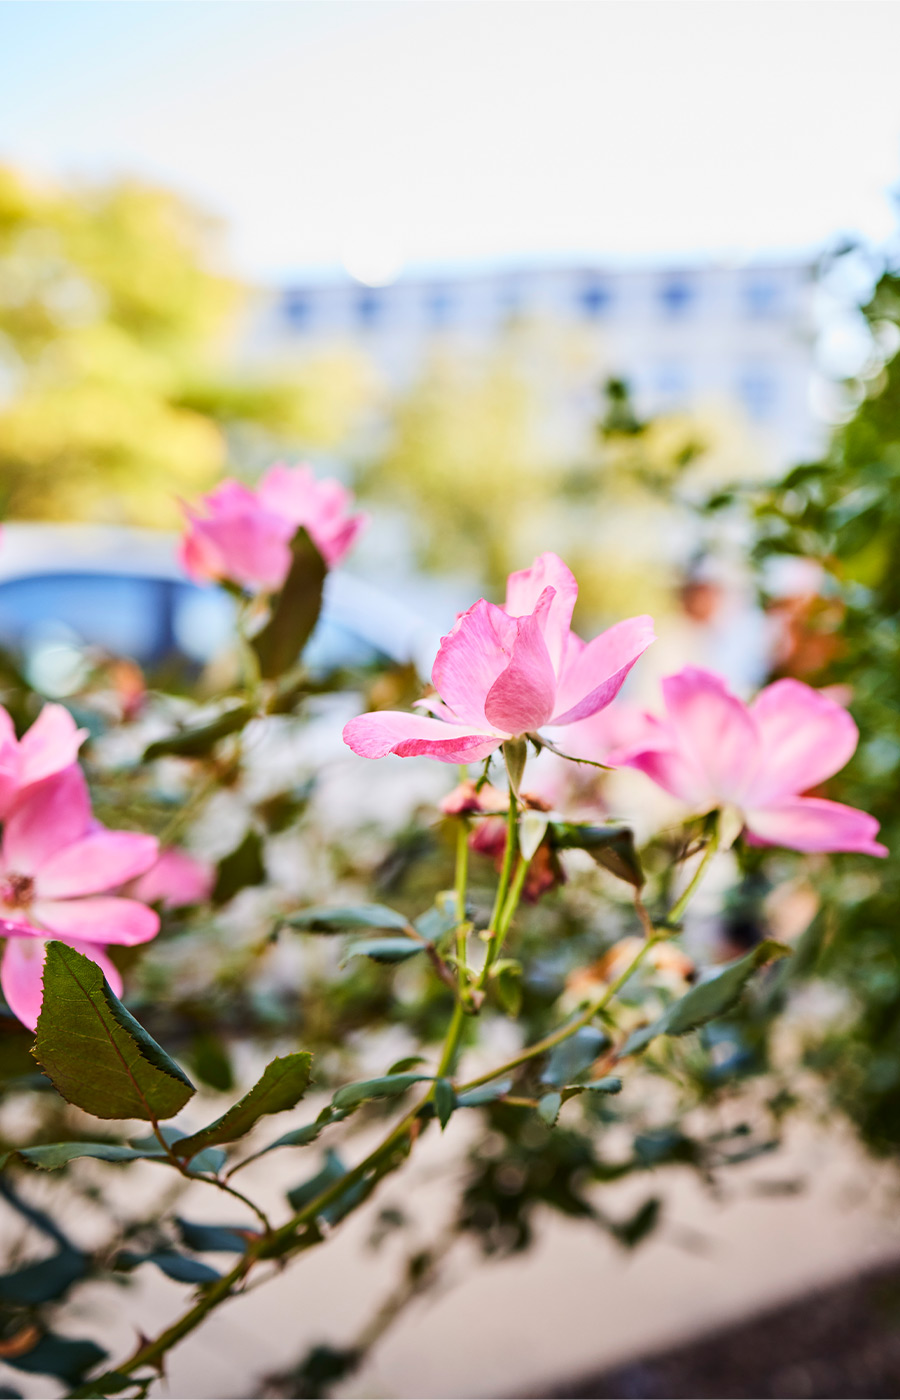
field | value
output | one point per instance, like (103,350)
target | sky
(395,133)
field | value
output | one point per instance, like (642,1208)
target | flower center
(16,891)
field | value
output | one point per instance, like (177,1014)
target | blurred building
(740,336)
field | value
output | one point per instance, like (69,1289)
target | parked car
(66,588)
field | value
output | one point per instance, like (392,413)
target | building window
(594,299)
(369,308)
(762,296)
(676,295)
(758,392)
(439,305)
(296,308)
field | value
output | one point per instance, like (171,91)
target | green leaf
(214,1239)
(331,1172)
(194,743)
(389,1086)
(440,919)
(549,1106)
(508,983)
(708,999)
(408,1062)
(444,1101)
(608,1085)
(637,1227)
(610,846)
(242,867)
(94,1051)
(282,1086)
(295,610)
(171,1263)
(64,1357)
(53,1155)
(322,919)
(302,1137)
(574,1055)
(484,1093)
(45,1281)
(384,950)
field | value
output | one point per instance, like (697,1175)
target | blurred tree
(115,333)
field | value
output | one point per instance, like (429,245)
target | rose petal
(101,861)
(523,589)
(394,731)
(714,732)
(22,978)
(48,817)
(593,673)
(522,696)
(98,919)
(175,880)
(50,745)
(805,737)
(470,659)
(814,824)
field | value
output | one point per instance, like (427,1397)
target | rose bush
(238,849)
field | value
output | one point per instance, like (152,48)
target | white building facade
(741,336)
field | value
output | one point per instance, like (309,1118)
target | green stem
(501,914)
(678,908)
(462,877)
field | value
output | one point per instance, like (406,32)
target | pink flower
(55,863)
(175,880)
(245,536)
(712,750)
(49,746)
(503,672)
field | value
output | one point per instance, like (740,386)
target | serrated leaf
(573,1056)
(282,1086)
(94,1051)
(610,846)
(384,950)
(389,1086)
(295,610)
(202,738)
(241,868)
(444,1101)
(708,999)
(549,1106)
(608,1085)
(323,919)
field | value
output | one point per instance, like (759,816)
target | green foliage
(94,1051)
(282,1086)
(201,740)
(241,868)
(610,846)
(712,997)
(295,611)
(339,920)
